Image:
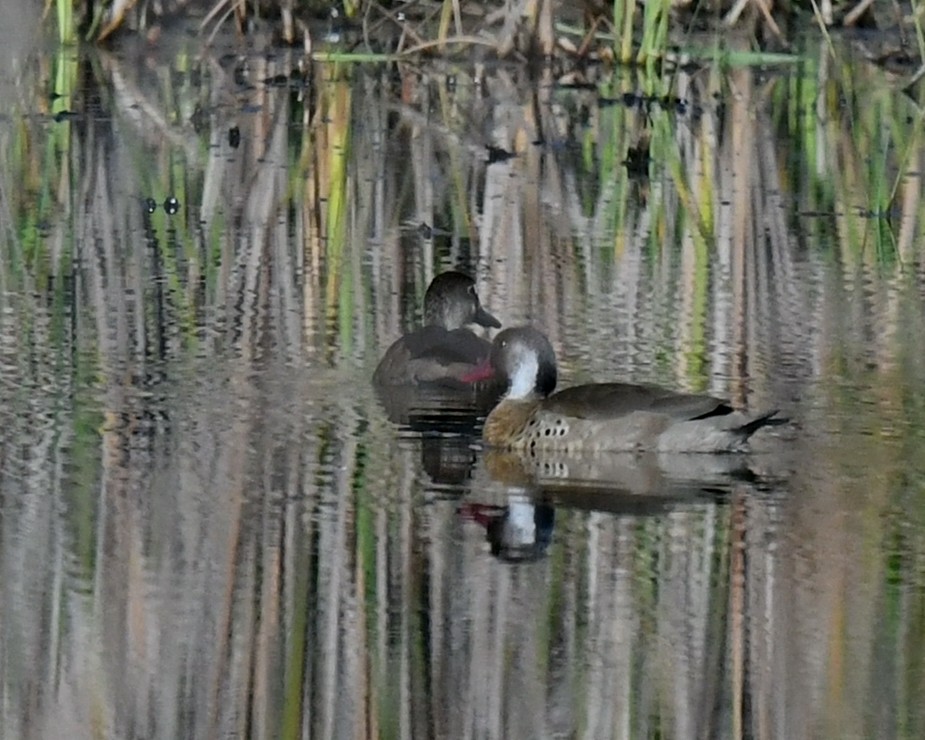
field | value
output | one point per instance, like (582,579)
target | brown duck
(601,416)
(442,351)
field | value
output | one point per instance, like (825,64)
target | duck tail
(767,419)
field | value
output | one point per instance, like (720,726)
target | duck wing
(431,354)
(612,400)
(446,347)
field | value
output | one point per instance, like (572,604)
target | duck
(598,417)
(442,351)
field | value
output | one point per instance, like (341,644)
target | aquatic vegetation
(625,32)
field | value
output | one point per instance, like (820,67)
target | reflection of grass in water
(84,455)
(178,253)
(682,205)
(67,26)
(692,183)
(605,154)
(696,349)
(861,176)
(297,645)
(881,418)
(654,31)
(340,289)
(690,229)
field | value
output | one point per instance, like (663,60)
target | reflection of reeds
(227,536)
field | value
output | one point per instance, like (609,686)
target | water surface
(211,526)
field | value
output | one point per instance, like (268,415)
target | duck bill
(482,371)
(483,318)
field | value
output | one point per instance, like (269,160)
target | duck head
(452,302)
(526,359)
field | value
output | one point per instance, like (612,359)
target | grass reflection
(229,537)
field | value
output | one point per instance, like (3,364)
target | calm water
(210,526)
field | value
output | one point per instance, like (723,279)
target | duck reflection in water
(519,532)
(523,494)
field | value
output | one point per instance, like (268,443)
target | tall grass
(628,32)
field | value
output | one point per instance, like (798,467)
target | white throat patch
(523,380)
